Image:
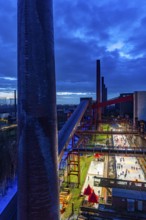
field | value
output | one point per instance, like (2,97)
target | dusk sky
(110,30)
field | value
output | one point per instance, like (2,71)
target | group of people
(126,168)
(120,141)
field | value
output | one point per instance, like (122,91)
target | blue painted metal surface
(71,125)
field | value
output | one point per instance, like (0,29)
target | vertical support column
(68,169)
(73,141)
(79,173)
(38,188)
(106,175)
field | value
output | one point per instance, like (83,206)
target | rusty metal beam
(93,132)
(128,98)
(112,150)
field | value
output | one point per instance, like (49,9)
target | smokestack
(38,190)
(98,88)
(103,89)
(98,81)
(105,93)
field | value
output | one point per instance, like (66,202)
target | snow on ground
(96,169)
(127,168)
(4,200)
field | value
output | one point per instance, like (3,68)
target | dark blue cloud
(89,30)
(110,30)
(8,48)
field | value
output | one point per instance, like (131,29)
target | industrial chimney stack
(98,89)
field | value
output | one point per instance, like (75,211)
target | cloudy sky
(110,30)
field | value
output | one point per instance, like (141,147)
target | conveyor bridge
(112,150)
(93,132)
(119,183)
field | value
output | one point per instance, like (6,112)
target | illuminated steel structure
(38,194)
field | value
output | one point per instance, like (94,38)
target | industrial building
(128,200)
(125,108)
(139,100)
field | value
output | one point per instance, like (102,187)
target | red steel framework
(128,98)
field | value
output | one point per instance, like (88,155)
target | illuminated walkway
(96,169)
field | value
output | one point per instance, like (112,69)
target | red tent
(97,155)
(93,197)
(88,190)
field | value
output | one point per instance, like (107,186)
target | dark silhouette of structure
(125,108)
(38,194)
(104,94)
(15,104)
(98,94)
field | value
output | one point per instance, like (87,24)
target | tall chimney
(38,190)
(98,88)
(103,89)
